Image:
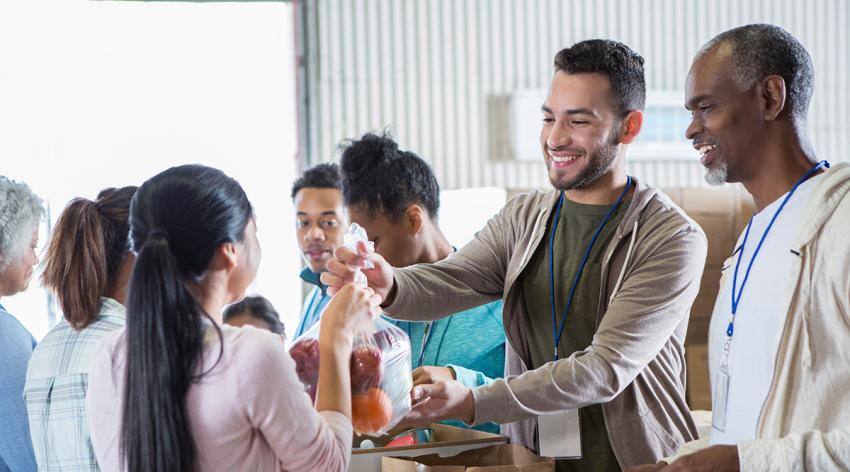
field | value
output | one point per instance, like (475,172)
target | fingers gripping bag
(380,366)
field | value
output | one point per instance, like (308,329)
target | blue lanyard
(558,332)
(429,333)
(426,339)
(736,298)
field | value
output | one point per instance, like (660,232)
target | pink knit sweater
(249,413)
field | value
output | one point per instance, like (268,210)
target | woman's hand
(352,309)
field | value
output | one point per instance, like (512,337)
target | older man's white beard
(717,175)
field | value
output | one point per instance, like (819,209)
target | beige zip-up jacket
(805,420)
(635,364)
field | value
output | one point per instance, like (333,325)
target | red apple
(305,353)
(366,369)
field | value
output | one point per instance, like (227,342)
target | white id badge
(559,435)
(721,394)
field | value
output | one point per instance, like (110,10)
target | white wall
(97,94)
(439,72)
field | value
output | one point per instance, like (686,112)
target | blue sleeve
(468,377)
(472,378)
(16,345)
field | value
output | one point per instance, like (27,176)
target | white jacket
(804,424)
(805,421)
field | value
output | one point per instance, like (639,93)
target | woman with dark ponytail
(178,390)
(87,267)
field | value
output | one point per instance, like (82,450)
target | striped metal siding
(434,71)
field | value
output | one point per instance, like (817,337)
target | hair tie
(158,233)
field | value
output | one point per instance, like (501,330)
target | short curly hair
(319,176)
(377,174)
(622,66)
(20,212)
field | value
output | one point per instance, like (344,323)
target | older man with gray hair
(778,340)
(20,214)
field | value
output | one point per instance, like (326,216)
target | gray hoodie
(635,365)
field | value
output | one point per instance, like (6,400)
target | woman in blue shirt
(20,214)
(395,197)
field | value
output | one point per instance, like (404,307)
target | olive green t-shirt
(578,222)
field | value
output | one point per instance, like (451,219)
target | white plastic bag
(354,235)
(380,374)
(380,365)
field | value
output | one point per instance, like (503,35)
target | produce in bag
(380,367)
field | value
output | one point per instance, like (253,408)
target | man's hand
(714,458)
(345,263)
(430,374)
(443,400)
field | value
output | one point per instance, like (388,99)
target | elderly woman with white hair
(20,214)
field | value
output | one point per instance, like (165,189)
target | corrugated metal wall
(435,71)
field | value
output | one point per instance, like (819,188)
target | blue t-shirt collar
(313,278)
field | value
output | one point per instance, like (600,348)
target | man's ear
(630,126)
(773,95)
(414,217)
(226,257)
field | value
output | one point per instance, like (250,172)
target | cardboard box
(720,231)
(697,331)
(703,305)
(504,458)
(717,211)
(715,200)
(448,441)
(699,386)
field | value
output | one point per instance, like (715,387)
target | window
(665,120)
(104,94)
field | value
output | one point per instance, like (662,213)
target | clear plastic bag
(380,374)
(380,365)
(354,235)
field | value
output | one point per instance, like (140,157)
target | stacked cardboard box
(722,213)
(448,441)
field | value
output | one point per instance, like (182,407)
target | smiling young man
(319,228)
(597,274)
(778,351)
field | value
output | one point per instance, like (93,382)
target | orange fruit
(371,411)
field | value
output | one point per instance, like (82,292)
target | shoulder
(661,218)
(13,334)
(254,360)
(108,361)
(43,362)
(254,348)
(528,204)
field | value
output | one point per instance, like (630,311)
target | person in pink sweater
(176,389)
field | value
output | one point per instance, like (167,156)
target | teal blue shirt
(472,343)
(314,304)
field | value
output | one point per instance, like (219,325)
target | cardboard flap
(503,458)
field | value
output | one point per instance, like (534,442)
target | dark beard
(597,166)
